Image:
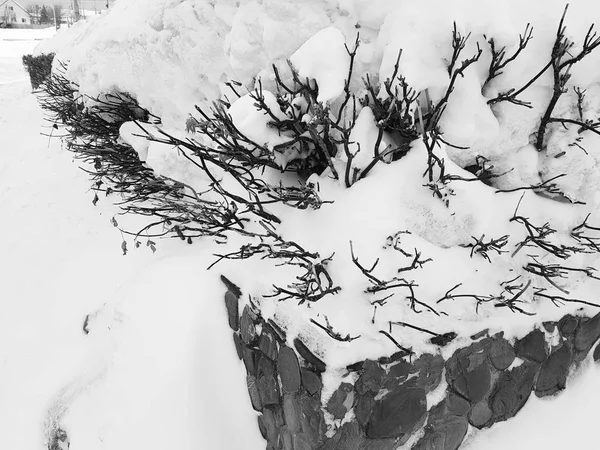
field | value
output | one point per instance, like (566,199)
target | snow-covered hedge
(432,173)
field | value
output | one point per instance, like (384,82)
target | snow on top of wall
(174,54)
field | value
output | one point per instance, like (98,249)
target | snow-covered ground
(157,368)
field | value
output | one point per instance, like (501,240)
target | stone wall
(486,382)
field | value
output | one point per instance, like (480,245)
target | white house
(13,14)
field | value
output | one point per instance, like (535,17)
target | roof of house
(2,3)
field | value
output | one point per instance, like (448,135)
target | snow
(324,58)
(173,55)
(158,368)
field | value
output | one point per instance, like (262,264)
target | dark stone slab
(480,415)
(262,426)
(549,326)
(311,381)
(247,327)
(429,368)
(348,437)
(397,413)
(379,444)
(587,334)
(318,365)
(312,420)
(267,343)
(289,369)
(371,378)
(553,373)
(250,357)
(286,439)
(501,353)
(446,434)
(512,391)
(568,324)
(252,385)
(468,372)
(482,333)
(268,387)
(301,443)
(231,303)
(231,286)
(456,405)
(363,407)
(597,353)
(532,346)
(238,344)
(271,425)
(341,401)
(292,412)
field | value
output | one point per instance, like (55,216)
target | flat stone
(480,415)
(532,346)
(397,413)
(568,324)
(445,434)
(456,405)
(267,343)
(482,333)
(311,381)
(238,344)
(371,378)
(262,426)
(286,439)
(597,353)
(430,368)
(270,425)
(252,386)
(312,420)
(247,327)
(468,372)
(318,365)
(291,412)
(554,371)
(341,401)
(250,357)
(268,387)
(348,437)
(231,303)
(501,353)
(301,443)
(512,391)
(364,407)
(587,334)
(289,369)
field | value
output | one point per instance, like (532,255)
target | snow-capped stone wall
(428,402)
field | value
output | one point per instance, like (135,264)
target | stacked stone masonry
(488,381)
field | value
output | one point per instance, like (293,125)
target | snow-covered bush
(368,184)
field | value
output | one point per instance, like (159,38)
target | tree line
(42,14)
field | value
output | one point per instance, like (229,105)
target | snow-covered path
(157,369)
